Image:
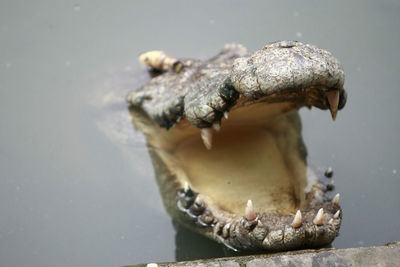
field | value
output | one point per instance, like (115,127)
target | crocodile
(224,135)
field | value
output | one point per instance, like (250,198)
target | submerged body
(242,181)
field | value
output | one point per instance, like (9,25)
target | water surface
(77,186)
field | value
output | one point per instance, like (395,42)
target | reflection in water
(191,245)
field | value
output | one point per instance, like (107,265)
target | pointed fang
(186,187)
(217,126)
(336,214)
(249,211)
(198,201)
(226,114)
(333,99)
(206,136)
(319,219)
(297,221)
(335,200)
(330,221)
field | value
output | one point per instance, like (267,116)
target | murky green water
(77,187)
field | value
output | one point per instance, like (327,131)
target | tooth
(186,187)
(329,172)
(225,230)
(336,214)
(206,136)
(249,211)
(330,221)
(226,114)
(297,221)
(319,218)
(335,200)
(152,265)
(333,99)
(198,201)
(217,126)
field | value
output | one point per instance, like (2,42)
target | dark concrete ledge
(387,255)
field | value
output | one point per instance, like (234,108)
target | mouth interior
(258,154)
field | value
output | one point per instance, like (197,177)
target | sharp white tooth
(217,126)
(319,218)
(186,187)
(226,114)
(249,211)
(335,200)
(330,221)
(206,136)
(198,201)
(152,265)
(333,99)
(336,214)
(297,221)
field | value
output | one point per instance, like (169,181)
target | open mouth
(243,178)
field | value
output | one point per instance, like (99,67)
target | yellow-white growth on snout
(157,59)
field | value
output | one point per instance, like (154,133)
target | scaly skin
(203,91)
(198,93)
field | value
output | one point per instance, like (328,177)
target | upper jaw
(203,92)
(286,66)
(291,71)
(284,71)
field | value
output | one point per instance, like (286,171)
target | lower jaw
(257,155)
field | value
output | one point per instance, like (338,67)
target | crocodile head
(225,139)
